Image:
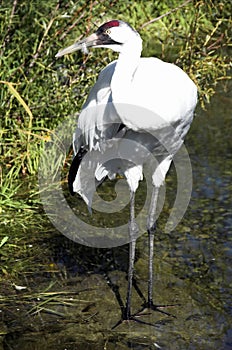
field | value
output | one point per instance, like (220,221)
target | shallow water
(72,296)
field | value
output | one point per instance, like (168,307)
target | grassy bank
(38,91)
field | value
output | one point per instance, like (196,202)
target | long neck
(126,66)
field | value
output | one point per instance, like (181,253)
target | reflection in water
(193,267)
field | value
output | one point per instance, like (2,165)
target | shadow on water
(72,294)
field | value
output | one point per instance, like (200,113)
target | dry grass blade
(166,14)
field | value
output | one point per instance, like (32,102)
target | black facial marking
(103,37)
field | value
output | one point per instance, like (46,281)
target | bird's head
(114,35)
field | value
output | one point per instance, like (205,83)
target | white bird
(142,100)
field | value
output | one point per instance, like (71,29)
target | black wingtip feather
(74,168)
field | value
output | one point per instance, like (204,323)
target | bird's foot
(152,307)
(134,318)
(146,310)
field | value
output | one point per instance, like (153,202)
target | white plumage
(135,101)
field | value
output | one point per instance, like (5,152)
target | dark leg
(151,226)
(133,230)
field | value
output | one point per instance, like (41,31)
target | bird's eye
(107,31)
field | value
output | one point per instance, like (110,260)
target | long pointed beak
(80,45)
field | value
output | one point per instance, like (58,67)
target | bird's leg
(133,230)
(151,226)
